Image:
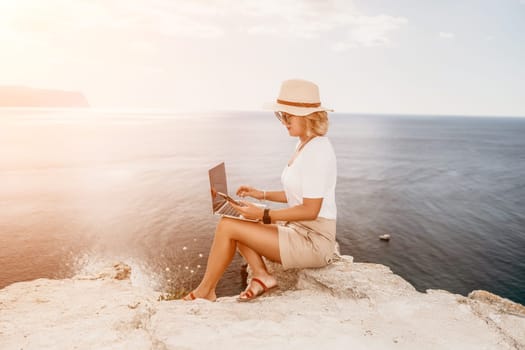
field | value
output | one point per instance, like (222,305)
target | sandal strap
(254,279)
(188,297)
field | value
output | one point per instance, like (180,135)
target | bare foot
(258,286)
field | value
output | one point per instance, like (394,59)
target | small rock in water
(385,237)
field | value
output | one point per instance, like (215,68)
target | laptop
(220,205)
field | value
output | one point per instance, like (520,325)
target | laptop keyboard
(228,210)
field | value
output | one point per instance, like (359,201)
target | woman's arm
(274,196)
(309,210)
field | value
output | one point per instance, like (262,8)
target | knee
(224,227)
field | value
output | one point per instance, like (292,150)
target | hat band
(298,104)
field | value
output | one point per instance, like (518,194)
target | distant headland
(22,96)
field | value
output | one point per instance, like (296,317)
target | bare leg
(261,239)
(259,270)
(253,259)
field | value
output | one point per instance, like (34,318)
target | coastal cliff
(21,96)
(343,306)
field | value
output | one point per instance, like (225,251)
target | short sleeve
(316,170)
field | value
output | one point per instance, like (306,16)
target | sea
(82,189)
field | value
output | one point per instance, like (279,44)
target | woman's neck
(304,141)
(305,138)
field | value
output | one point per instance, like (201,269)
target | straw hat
(298,97)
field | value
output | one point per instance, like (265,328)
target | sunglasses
(283,117)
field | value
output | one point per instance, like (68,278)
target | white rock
(344,306)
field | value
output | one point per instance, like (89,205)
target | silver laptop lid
(218,184)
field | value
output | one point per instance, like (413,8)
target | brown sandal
(249,295)
(191,297)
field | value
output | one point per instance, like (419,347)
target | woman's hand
(247,191)
(249,210)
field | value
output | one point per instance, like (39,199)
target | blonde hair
(316,123)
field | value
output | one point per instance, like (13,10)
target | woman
(300,236)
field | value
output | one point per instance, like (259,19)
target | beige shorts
(304,244)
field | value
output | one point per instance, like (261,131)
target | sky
(452,57)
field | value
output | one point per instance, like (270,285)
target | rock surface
(343,306)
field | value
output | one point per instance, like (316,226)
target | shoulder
(321,140)
(320,149)
(321,143)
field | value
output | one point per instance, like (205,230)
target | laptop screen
(218,184)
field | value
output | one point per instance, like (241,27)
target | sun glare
(8,8)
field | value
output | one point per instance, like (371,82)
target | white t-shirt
(313,174)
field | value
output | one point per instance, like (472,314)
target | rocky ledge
(346,305)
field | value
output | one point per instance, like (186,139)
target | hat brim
(298,111)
